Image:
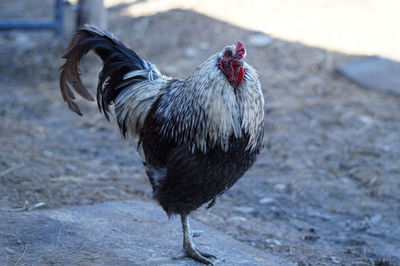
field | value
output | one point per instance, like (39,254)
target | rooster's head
(231,63)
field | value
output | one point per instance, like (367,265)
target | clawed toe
(207,255)
(196,233)
(202,257)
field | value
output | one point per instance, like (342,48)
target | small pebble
(311,238)
(280,187)
(47,153)
(197,233)
(335,260)
(366,119)
(274,242)
(237,219)
(243,209)
(266,200)
(70,167)
(375,219)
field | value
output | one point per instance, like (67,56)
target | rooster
(196,136)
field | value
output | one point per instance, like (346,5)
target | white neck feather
(204,110)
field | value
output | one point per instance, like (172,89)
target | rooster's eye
(228,54)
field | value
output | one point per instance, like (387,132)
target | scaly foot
(200,256)
(188,246)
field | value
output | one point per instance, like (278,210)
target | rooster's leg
(188,245)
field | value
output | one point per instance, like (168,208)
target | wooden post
(92,12)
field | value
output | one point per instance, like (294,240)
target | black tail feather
(117,59)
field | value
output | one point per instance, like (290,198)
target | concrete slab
(113,233)
(374,72)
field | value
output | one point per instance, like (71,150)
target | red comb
(240,50)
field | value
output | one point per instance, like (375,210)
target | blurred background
(325,189)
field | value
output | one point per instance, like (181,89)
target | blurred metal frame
(55,24)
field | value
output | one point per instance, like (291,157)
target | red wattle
(240,76)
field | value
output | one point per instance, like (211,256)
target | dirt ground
(323,192)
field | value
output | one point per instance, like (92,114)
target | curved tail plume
(117,59)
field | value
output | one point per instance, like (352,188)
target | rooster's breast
(184,179)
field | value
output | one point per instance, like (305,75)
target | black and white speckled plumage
(182,179)
(196,136)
